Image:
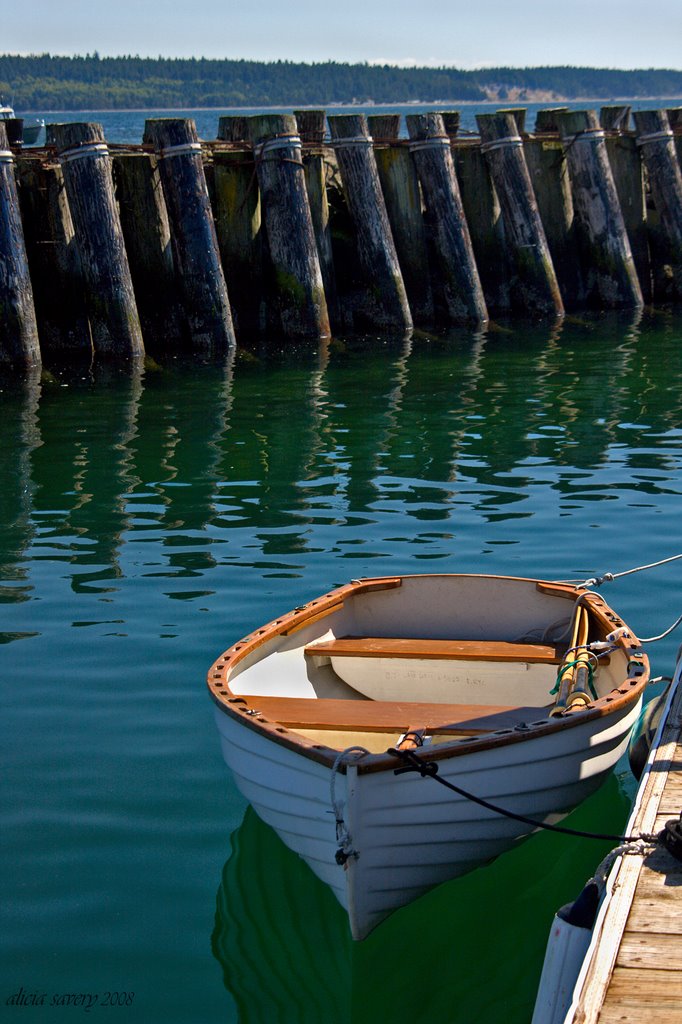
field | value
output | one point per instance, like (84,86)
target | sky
(454,33)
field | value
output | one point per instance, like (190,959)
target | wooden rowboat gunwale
(245,709)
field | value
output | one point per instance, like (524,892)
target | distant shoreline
(444,104)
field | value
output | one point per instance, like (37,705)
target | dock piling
(656,143)
(288,224)
(376,249)
(312,128)
(112,309)
(53,260)
(549,175)
(238,220)
(534,285)
(199,274)
(19,346)
(430,150)
(144,220)
(608,266)
(402,195)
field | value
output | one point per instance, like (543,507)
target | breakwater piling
(291,226)
(110,302)
(18,329)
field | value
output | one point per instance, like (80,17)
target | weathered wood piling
(608,267)
(656,142)
(54,260)
(150,254)
(368,228)
(549,175)
(289,228)
(312,126)
(110,299)
(239,226)
(387,305)
(534,286)
(431,152)
(19,346)
(199,274)
(403,197)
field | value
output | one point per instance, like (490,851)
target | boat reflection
(286,953)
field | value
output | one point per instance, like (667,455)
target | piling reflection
(285,950)
(82,473)
(353,450)
(20,438)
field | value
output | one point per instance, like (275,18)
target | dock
(294,227)
(632,972)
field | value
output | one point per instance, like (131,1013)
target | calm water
(150,519)
(127,126)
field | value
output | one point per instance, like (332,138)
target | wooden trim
(382,715)
(437,650)
(310,619)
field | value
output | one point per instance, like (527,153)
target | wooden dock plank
(635,971)
(650,951)
(655,916)
(642,987)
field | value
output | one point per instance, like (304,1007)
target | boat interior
(366,671)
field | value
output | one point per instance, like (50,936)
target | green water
(151,518)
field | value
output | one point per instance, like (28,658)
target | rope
(596,581)
(608,577)
(668,631)
(345,850)
(584,135)
(574,664)
(181,149)
(429,769)
(93,149)
(434,142)
(513,141)
(663,136)
(353,140)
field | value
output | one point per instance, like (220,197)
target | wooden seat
(387,716)
(437,650)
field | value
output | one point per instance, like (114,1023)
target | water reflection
(20,437)
(360,451)
(285,950)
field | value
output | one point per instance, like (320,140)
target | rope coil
(345,849)
(279,142)
(662,136)
(182,149)
(352,140)
(435,142)
(93,149)
(585,135)
(511,141)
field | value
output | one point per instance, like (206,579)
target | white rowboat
(316,709)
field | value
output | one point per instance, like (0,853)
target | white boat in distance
(30,129)
(456,673)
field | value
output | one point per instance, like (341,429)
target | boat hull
(409,833)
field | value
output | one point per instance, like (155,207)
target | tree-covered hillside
(45,82)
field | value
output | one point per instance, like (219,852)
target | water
(151,518)
(127,126)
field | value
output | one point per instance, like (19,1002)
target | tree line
(44,82)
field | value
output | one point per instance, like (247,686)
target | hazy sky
(461,33)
